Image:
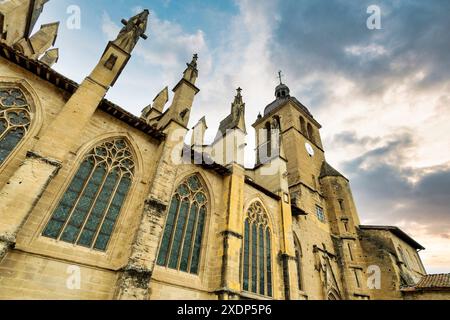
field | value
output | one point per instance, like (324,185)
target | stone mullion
(174,231)
(183,237)
(105,212)
(194,236)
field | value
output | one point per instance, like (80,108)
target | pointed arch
(20,116)
(302,125)
(88,210)
(310,132)
(333,295)
(257,268)
(181,243)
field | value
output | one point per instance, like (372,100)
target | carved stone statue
(133,30)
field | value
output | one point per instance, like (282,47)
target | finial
(239,91)
(280,75)
(194,60)
(133,29)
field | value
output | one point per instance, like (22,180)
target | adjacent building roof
(48,74)
(229,123)
(397,232)
(329,171)
(434,281)
(282,101)
(431,282)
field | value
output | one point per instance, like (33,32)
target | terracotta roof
(397,232)
(435,281)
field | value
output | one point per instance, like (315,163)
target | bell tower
(287,122)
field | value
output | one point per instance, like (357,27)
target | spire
(156,109)
(50,57)
(191,73)
(18,18)
(161,99)
(236,119)
(133,29)
(238,111)
(36,10)
(184,93)
(39,42)
(198,134)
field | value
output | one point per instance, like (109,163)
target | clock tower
(287,122)
(320,196)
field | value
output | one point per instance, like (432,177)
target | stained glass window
(15,119)
(88,211)
(183,234)
(320,214)
(257,256)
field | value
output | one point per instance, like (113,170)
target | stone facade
(314,247)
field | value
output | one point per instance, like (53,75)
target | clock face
(309,149)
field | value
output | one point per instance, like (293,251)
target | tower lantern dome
(282,91)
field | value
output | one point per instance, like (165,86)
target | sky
(381,95)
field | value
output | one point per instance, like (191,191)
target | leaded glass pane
(194,183)
(261,261)
(98,211)
(62,212)
(178,237)
(84,205)
(188,238)
(9,142)
(254,259)
(113,213)
(269,263)
(183,190)
(201,198)
(92,203)
(183,233)
(164,248)
(198,241)
(53,229)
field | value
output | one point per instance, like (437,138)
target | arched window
(183,234)
(302,125)
(88,210)
(298,260)
(268,139)
(310,132)
(257,253)
(15,119)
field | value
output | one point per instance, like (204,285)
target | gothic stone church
(96,203)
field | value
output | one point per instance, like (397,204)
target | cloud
(416,200)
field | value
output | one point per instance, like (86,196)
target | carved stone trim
(141,277)
(156,205)
(228,233)
(52,162)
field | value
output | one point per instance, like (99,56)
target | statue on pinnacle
(133,29)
